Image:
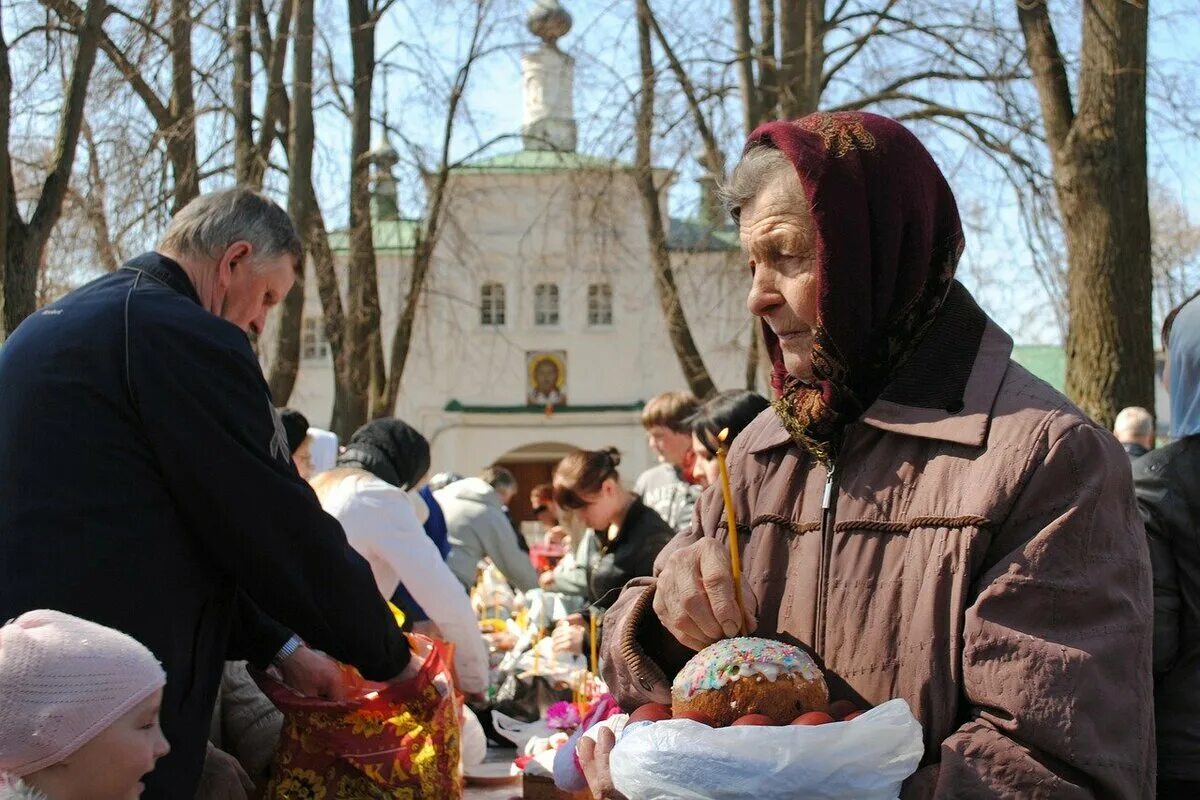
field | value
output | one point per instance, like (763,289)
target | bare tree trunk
(94,204)
(690,360)
(714,158)
(363,305)
(431,230)
(243,122)
(301,138)
(768,68)
(5,179)
(275,106)
(332,312)
(801,56)
(24,242)
(744,47)
(181,136)
(1098,155)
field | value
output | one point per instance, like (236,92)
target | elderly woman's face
(777,235)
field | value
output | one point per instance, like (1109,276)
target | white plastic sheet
(867,758)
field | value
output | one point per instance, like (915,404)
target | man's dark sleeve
(208,417)
(254,637)
(1162,513)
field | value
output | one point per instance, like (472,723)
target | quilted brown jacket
(981,556)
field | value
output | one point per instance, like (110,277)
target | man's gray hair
(499,478)
(211,222)
(1133,421)
(758,166)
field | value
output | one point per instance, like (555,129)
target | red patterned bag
(391,741)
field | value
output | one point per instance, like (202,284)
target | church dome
(548,21)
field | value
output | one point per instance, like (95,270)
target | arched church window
(491,304)
(545,304)
(600,306)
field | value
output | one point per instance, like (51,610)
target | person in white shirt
(372,493)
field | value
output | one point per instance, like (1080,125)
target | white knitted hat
(63,680)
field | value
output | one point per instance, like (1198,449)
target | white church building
(540,328)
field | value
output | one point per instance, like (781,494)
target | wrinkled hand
(593,759)
(223,778)
(567,638)
(694,598)
(546,580)
(314,674)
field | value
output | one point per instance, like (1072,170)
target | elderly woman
(932,521)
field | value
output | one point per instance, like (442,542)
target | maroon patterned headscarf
(887,241)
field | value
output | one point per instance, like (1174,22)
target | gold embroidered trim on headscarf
(841,131)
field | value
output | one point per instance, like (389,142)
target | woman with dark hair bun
(732,410)
(628,534)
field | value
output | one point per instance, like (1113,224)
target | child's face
(111,766)
(670,446)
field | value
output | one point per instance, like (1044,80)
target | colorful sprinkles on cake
(730,659)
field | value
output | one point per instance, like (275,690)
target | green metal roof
(525,161)
(395,235)
(695,235)
(1048,362)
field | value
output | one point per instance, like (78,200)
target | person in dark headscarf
(372,492)
(389,449)
(395,452)
(929,519)
(1167,481)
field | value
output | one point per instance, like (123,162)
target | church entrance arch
(531,464)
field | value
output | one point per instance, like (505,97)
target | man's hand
(546,580)
(593,759)
(223,778)
(314,674)
(694,598)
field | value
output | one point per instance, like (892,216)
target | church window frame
(547,308)
(600,305)
(493,305)
(314,345)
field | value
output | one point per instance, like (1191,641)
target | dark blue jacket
(145,483)
(435,529)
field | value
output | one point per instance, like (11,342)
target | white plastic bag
(867,758)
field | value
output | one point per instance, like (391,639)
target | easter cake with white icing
(749,675)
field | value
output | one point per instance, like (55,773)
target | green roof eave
(388,235)
(691,235)
(534,161)
(456,406)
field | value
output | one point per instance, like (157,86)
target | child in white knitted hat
(78,710)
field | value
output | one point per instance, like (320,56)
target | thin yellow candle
(735,557)
(536,639)
(593,632)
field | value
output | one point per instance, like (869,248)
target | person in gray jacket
(478,527)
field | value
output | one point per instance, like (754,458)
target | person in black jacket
(1167,481)
(146,481)
(629,533)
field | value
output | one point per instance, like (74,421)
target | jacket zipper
(828,518)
